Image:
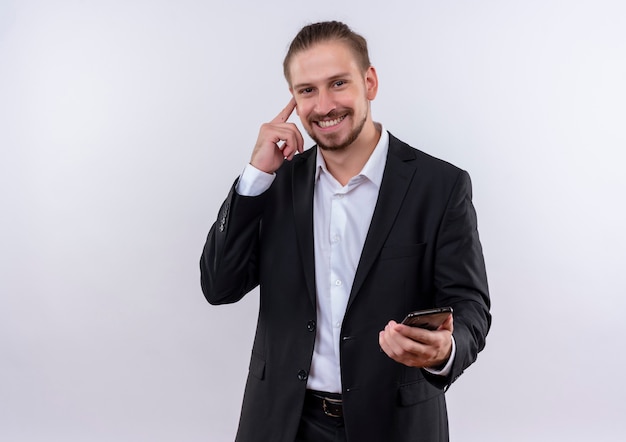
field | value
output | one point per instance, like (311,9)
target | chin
(333,147)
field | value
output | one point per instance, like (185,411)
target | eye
(339,83)
(306,90)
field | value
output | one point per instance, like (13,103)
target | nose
(324,104)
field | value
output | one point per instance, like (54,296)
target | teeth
(330,123)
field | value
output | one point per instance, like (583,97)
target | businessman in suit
(344,239)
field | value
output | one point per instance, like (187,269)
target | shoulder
(427,166)
(406,152)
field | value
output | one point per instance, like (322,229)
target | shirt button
(303,375)
(338,282)
(310,326)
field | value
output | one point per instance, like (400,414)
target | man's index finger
(286,112)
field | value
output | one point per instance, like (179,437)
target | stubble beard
(340,145)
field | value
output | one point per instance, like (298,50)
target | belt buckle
(332,407)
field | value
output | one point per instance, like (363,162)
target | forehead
(322,61)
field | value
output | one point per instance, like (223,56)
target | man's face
(332,94)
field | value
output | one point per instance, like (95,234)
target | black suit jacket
(422,250)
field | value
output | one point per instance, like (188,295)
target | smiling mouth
(330,123)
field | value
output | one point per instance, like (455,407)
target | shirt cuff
(445,371)
(253,182)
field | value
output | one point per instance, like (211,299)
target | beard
(333,142)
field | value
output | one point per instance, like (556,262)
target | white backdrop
(123,124)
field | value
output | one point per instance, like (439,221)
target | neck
(345,164)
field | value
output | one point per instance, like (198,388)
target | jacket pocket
(257,366)
(416,392)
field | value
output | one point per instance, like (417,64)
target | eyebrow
(328,80)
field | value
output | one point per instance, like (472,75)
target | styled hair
(323,32)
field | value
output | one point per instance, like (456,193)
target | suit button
(303,375)
(310,326)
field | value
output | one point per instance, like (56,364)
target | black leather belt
(330,403)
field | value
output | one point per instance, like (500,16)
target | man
(344,239)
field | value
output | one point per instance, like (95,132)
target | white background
(124,123)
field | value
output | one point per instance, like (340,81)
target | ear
(371,83)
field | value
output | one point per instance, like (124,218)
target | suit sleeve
(229,262)
(460,277)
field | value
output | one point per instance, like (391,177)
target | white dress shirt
(341,220)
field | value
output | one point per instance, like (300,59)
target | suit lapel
(303,184)
(399,171)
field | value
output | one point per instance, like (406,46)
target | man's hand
(417,347)
(277,141)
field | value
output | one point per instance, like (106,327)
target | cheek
(352,100)
(303,111)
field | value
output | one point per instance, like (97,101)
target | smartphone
(429,319)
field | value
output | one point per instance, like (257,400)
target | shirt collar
(374,167)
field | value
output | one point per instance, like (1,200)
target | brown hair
(323,32)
